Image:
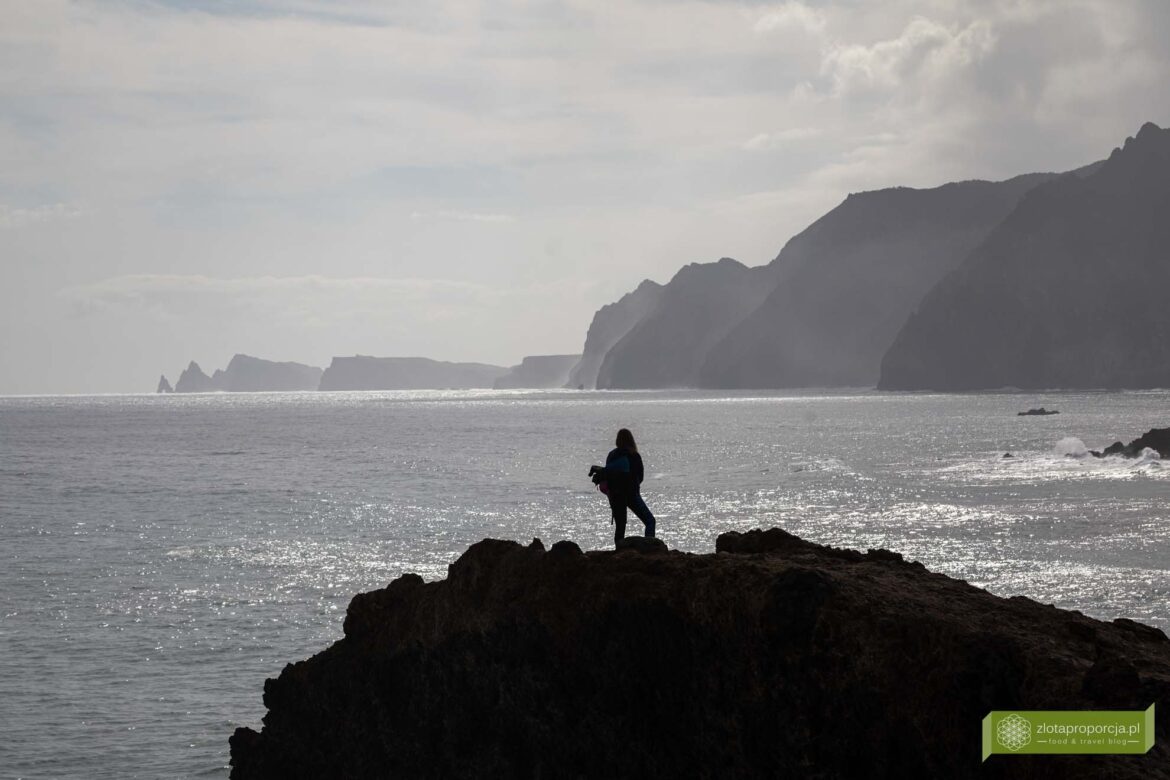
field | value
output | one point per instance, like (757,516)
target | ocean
(160,556)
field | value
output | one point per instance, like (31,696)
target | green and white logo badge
(1013,732)
(1068,731)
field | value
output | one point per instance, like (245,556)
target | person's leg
(643,512)
(617,505)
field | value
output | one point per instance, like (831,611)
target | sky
(473,180)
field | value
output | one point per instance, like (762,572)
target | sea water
(160,556)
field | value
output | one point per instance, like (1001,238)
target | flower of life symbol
(1013,732)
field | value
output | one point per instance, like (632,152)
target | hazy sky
(472,180)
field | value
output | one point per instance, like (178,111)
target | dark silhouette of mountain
(193,380)
(1069,291)
(538,371)
(694,311)
(774,657)
(362,372)
(163,385)
(845,285)
(609,325)
(249,374)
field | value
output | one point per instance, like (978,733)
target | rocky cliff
(395,373)
(772,657)
(193,380)
(1068,291)
(245,373)
(694,311)
(248,374)
(610,324)
(845,286)
(538,371)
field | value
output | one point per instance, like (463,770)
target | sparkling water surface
(160,556)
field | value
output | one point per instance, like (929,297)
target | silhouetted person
(624,472)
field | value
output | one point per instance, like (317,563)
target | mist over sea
(160,556)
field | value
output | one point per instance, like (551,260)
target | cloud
(11,218)
(925,51)
(462,216)
(293,298)
(778,140)
(393,308)
(791,16)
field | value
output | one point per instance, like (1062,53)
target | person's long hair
(625,440)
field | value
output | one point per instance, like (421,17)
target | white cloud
(791,16)
(926,51)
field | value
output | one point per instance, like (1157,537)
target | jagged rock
(566,548)
(1156,439)
(163,385)
(774,657)
(641,544)
(193,380)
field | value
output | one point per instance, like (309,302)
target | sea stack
(164,386)
(193,380)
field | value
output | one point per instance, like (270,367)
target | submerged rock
(773,657)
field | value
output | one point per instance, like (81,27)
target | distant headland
(361,372)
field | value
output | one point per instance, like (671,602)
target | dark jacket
(636,470)
(623,470)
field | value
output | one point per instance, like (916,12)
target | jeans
(618,505)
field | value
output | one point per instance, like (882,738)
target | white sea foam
(1071,447)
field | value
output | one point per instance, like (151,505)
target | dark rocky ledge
(1157,439)
(773,657)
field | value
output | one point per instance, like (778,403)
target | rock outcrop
(1068,291)
(397,373)
(249,374)
(193,380)
(246,374)
(772,657)
(164,386)
(538,372)
(610,324)
(1156,439)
